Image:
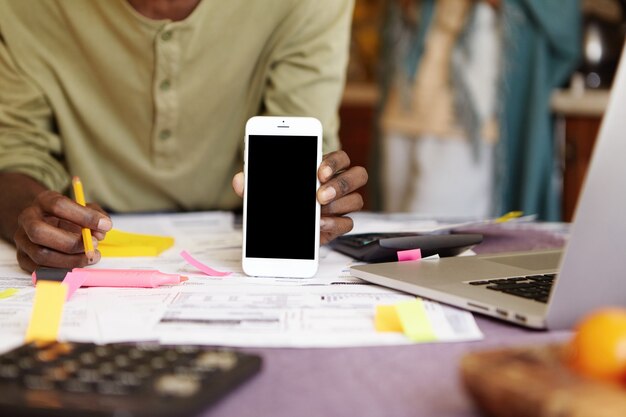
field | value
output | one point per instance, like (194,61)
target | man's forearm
(18,192)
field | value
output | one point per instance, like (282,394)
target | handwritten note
(47,311)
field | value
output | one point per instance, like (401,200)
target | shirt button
(165,134)
(165,85)
(167,35)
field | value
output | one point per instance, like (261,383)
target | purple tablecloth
(416,380)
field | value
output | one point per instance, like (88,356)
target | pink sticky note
(409,255)
(73,280)
(202,267)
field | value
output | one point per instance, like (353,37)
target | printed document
(331,309)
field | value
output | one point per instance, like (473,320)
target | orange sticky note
(47,311)
(386,319)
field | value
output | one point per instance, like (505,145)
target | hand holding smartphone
(281,159)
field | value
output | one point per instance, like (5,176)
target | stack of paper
(331,309)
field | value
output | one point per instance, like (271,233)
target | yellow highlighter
(79,195)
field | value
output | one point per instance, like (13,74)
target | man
(146,101)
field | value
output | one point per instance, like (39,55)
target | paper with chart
(332,309)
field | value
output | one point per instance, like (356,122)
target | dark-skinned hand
(49,232)
(337,194)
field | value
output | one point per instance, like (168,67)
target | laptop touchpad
(531,261)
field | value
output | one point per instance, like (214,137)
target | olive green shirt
(151,113)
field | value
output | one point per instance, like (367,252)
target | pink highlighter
(92,277)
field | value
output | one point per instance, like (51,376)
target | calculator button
(128,379)
(106,369)
(38,382)
(136,354)
(177,385)
(187,350)
(190,371)
(70,366)
(88,375)
(56,373)
(212,360)
(171,356)
(122,361)
(142,371)
(9,371)
(111,388)
(158,363)
(74,385)
(103,351)
(26,363)
(88,358)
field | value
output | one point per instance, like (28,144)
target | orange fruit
(598,348)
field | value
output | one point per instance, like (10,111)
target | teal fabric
(402,47)
(542,48)
(418,37)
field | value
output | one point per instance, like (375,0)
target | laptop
(542,289)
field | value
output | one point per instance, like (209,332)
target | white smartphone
(281,214)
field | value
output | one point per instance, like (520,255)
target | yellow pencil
(80,199)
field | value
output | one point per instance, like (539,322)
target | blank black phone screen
(281,197)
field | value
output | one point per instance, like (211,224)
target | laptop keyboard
(534,287)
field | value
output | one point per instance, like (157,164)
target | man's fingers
(343,184)
(332,227)
(45,256)
(98,234)
(49,232)
(34,229)
(348,204)
(64,208)
(238,184)
(332,163)
(25,262)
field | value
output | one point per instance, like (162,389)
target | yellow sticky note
(509,216)
(128,251)
(9,292)
(124,244)
(386,319)
(47,311)
(414,319)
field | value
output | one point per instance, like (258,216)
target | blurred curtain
(542,48)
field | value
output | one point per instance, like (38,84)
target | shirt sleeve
(28,143)
(308,66)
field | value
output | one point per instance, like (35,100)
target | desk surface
(416,380)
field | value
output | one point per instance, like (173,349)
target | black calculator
(384,247)
(121,380)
